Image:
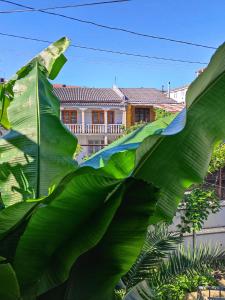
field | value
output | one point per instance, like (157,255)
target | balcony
(116,129)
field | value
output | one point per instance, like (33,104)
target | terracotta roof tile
(86,95)
(173,108)
(145,95)
(107,96)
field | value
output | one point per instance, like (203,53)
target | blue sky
(199,21)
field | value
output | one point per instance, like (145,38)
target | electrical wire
(108,50)
(61,7)
(115,28)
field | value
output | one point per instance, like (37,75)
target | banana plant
(78,241)
(33,155)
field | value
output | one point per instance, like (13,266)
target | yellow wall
(131,114)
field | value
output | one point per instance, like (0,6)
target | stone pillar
(124,117)
(106,127)
(105,140)
(83,119)
(61,110)
(106,120)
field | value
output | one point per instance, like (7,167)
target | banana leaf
(9,286)
(37,150)
(170,161)
(132,170)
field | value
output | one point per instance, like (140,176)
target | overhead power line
(107,50)
(61,7)
(114,28)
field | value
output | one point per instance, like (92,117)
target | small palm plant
(163,259)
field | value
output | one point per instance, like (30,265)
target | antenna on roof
(115,81)
(168,95)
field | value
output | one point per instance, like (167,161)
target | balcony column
(106,126)
(83,119)
(124,117)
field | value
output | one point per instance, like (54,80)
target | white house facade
(98,116)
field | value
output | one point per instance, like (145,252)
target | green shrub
(185,284)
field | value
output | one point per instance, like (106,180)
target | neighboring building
(179,94)
(97,116)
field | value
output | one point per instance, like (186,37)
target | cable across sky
(62,7)
(107,50)
(124,30)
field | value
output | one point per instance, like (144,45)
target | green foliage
(119,294)
(9,289)
(185,284)
(133,128)
(218,158)
(185,265)
(33,155)
(159,242)
(78,150)
(88,224)
(197,205)
(161,113)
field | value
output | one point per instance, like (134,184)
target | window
(110,117)
(97,117)
(142,115)
(94,146)
(69,116)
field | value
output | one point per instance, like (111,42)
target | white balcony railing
(75,128)
(115,128)
(96,128)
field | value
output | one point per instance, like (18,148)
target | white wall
(88,114)
(213,229)
(178,95)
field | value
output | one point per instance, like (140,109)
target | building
(179,94)
(98,116)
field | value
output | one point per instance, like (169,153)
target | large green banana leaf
(72,220)
(9,287)
(33,154)
(58,262)
(171,161)
(74,209)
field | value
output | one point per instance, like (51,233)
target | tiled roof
(181,88)
(77,95)
(69,95)
(145,96)
(173,108)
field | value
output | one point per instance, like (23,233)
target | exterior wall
(213,231)
(118,114)
(85,138)
(178,95)
(152,114)
(131,113)
(206,237)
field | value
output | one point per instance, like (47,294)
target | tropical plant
(186,284)
(63,226)
(182,272)
(159,242)
(197,205)
(161,113)
(218,158)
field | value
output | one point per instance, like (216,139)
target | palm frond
(158,243)
(182,261)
